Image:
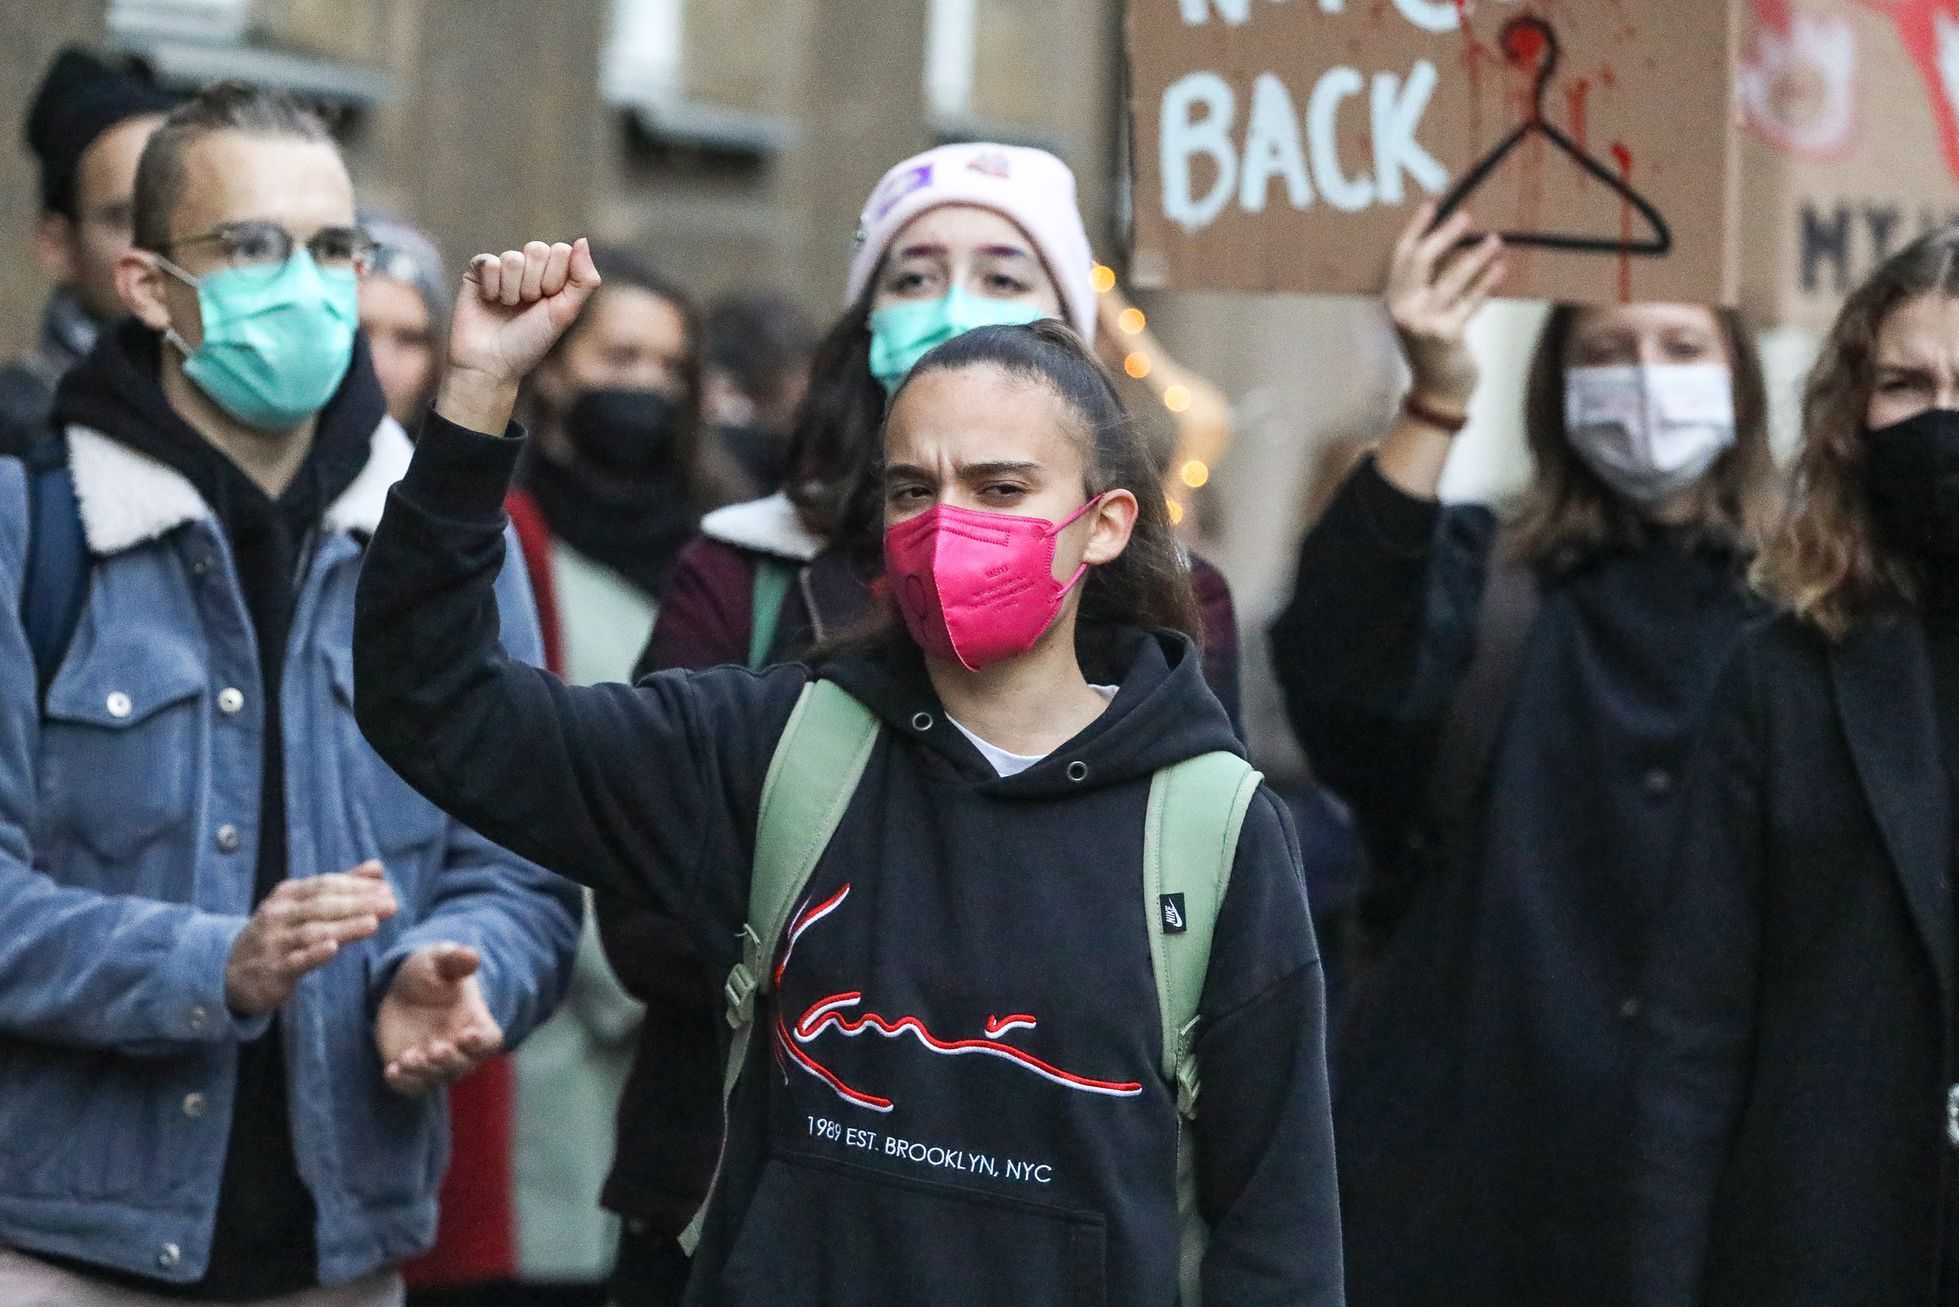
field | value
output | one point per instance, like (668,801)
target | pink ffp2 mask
(975,586)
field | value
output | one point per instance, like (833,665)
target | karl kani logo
(835,1014)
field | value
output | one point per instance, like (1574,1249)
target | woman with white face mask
(1505,696)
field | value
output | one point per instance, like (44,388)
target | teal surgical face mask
(277,340)
(902,334)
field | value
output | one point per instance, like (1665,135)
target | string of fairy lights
(1144,360)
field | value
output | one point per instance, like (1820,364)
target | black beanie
(82,97)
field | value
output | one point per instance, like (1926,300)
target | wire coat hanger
(1521,34)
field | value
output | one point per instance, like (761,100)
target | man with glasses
(238,952)
(86,127)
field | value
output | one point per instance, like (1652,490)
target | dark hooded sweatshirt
(867,1163)
(262,1243)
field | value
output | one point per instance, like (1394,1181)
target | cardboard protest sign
(1282,144)
(1852,145)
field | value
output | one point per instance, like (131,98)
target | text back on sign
(1281,144)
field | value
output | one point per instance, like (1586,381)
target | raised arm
(631,790)
(1382,617)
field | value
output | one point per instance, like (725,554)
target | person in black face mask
(1797,1119)
(620,475)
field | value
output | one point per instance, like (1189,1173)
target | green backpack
(1196,810)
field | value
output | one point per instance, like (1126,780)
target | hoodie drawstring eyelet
(1078,771)
(921,722)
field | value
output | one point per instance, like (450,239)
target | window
(643,61)
(951,41)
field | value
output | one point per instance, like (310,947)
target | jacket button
(168,1256)
(195,1105)
(199,1020)
(228,838)
(119,705)
(231,701)
(1659,782)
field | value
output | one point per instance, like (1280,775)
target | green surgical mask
(277,341)
(902,334)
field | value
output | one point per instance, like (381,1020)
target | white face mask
(1650,430)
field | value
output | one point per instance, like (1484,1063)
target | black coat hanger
(1521,35)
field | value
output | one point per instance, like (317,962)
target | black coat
(1792,1107)
(1483,1077)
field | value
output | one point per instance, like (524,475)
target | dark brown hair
(836,450)
(1148,585)
(1567,506)
(221,107)
(1829,563)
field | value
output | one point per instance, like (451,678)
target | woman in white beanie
(959,237)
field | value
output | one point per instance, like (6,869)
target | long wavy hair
(836,447)
(1830,563)
(1568,506)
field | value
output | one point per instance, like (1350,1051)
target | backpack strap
(55,587)
(1196,811)
(810,782)
(773,580)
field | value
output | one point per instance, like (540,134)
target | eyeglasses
(260,246)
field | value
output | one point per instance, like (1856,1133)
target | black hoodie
(961,906)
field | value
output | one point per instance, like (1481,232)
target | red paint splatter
(1917,24)
(1575,98)
(1623,157)
(1473,55)
(1523,45)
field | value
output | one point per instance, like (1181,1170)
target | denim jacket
(128,836)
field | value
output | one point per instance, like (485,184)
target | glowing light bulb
(1103,278)
(1195,473)
(1177,398)
(1132,321)
(1137,365)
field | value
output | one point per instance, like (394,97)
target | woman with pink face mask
(949,240)
(1506,698)
(961,1076)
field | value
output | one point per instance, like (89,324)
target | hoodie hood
(1163,713)
(116,392)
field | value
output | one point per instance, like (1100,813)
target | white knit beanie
(1031,187)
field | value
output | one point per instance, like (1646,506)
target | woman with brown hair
(1504,698)
(954,1076)
(1797,1119)
(949,240)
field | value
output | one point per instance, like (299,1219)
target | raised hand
(1434,289)
(512,308)
(433,1026)
(302,924)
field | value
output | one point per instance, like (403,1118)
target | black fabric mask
(1911,471)
(627,434)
